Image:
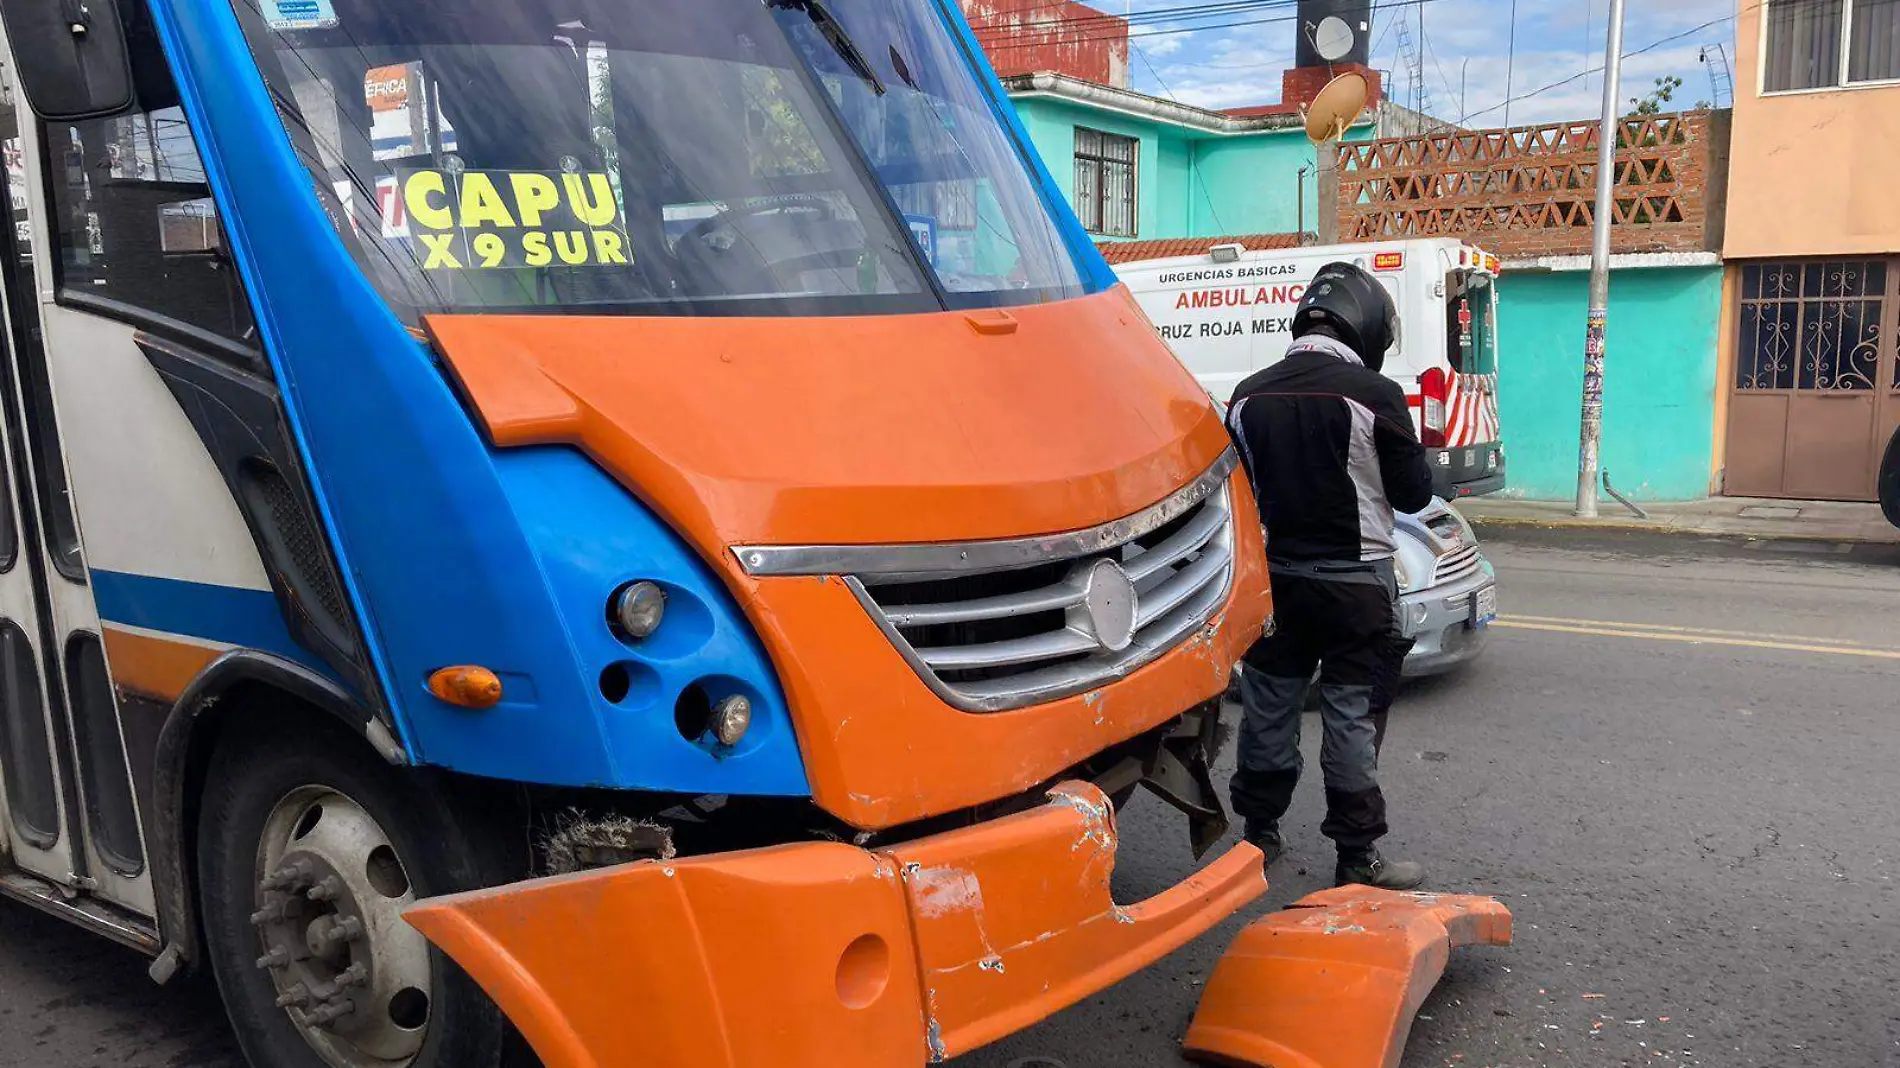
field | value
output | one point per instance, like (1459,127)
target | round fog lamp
(638,608)
(731,718)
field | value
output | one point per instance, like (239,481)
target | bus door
(70,814)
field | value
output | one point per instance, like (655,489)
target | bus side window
(138,232)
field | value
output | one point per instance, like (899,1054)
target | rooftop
(1118,252)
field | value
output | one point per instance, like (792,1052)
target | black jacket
(1331,451)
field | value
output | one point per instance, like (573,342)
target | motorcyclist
(1329,444)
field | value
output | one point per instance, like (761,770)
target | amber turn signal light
(466,687)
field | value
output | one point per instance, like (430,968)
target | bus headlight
(731,718)
(637,608)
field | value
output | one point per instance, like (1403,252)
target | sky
(1466,43)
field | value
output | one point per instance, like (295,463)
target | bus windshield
(660,156)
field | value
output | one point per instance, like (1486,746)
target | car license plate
(1484,608)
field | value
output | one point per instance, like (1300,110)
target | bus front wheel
(309,849)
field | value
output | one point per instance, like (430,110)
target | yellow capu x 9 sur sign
(486,219)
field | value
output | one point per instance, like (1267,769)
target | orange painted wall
(1811,174)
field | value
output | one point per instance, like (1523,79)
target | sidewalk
(1730,517)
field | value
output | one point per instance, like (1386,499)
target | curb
(1613,526)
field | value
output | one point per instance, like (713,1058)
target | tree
(1663,91)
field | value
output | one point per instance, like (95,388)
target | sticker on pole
(299,14)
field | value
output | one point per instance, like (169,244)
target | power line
(1425,50)
(1188,11)
(1194,170)
(1650,47)
(1280,62)
(1393,5)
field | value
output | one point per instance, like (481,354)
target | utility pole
(1326,192)
(1588,458)
(1421,59)
(1510,65)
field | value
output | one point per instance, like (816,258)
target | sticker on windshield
(923,230)
(299,14)
(472,220)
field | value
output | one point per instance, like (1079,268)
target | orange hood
(879,429)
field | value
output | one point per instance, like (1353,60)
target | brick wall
(1025,36)
(1300,85)
(1531,191)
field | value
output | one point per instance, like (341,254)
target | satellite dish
(1336,107)
(1332,39)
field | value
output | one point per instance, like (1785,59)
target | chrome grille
(999,625)
(1455,565)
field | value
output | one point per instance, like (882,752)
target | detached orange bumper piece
(1334,981)
(822,954)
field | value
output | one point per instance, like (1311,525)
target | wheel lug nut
(347,929)
(327,890)
(272,911)
(288,877)
(298,995)
(277,958)
(354,975)
(330,1012)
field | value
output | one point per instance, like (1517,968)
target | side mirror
(71,56)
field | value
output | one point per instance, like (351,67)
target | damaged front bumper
(822,953)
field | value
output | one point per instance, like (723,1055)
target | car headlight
(1404,573)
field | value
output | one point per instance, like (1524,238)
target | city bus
(1228,313)
(639,528)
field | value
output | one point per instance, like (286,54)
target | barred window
(1105,182)
(1812,326)
(1824,44)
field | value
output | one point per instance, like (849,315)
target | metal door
(1812,400)
(71,815)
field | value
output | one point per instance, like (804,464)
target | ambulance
(1228,313)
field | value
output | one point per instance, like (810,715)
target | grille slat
(1047,598)
(1175,591)
(1202,528)
(1050,646)
(993,638)
(1455,565)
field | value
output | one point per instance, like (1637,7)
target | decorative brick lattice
(1531,191)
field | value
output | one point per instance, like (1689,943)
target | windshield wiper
(836,36)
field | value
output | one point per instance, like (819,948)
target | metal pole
(1588,459)
(1421,60)
(1510,65)
(1326,192)
(1301,198)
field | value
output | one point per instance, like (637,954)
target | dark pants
(1342,624)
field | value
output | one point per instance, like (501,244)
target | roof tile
(1117,252)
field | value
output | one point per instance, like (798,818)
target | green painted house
(1141,168)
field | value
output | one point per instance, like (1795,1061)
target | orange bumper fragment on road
(1014,919)
(1335,980)
(822,954)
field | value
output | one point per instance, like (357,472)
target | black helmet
(1344,300)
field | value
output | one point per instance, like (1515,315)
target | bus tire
(308,846)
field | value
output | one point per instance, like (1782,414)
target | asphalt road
(1675,762)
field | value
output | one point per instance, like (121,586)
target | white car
(1448,591)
